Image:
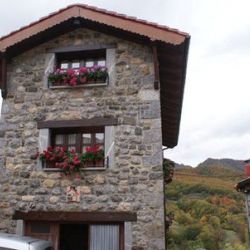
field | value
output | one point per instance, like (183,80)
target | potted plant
(56,78)
(101,74)
(60,157)
(74,77)
(83,74)
(93,157)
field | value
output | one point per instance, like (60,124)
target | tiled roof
(131,24)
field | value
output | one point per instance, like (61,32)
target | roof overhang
(172,51)
(243,186)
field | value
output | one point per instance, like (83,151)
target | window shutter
(104,237)
(43,142)
(49,67)
(110,146)
(110,64)
(128,236)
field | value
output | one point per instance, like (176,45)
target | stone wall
(135,183)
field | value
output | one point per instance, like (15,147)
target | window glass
(76,65)
(89,63)
(40,228)
(72,139)
(99,138)
(101,63)
(64,65)
(59,140)
(86,139)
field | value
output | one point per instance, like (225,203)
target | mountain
(181,165)
(237,165)
(221,168)
(206,210)
(216,167)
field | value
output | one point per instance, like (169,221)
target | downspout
(164,199)
(4,76)
(156,67)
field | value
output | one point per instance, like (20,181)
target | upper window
(79,68)
(78,59)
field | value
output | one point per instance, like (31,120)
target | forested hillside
(208,213)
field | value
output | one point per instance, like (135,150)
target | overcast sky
(216,109)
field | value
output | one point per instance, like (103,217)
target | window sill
(80,86)
(81,169)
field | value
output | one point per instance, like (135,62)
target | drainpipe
(247,194)
(164,200)
(4,75)
(156,67)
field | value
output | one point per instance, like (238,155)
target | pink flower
(83,70)
(70,72)
(73,81)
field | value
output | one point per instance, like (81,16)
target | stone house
(130,114)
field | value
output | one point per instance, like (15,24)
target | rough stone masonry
(134,183)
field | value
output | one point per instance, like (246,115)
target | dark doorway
(73,237)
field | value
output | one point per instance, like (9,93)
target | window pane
(72,147)
(86,138)
(104,237)
(89,63)
(101,63)
(59,140)
(64,65)
(40,228)
(75,65)
(71,139)
(99,138)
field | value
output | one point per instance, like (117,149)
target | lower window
(83,146)
(79,236)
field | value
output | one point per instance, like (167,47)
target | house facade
(79,79)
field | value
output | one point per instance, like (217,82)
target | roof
(243,186)
(172,51)
(142,27)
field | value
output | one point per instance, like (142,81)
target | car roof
(17,241)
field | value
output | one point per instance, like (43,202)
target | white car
(16,242)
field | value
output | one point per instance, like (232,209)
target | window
(78,68)
(108,236)
(80,140)
(77,59)
(80,135)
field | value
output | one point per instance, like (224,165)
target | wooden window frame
(54,234)
(73,54)
(79,132)
(81,56)
(93,124)
(91,218)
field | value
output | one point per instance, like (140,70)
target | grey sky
(215,118)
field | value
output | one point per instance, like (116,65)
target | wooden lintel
(98,121)
(156,67)
(60,216)
(4,77)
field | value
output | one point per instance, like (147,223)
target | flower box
(78,77)
(69,161)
